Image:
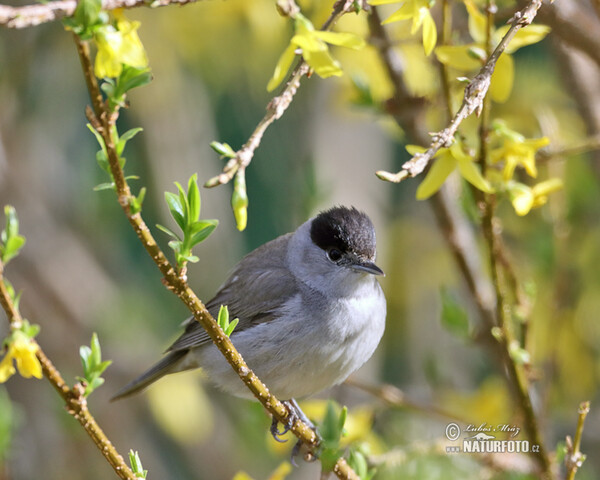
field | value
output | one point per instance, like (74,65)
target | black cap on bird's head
(348,238)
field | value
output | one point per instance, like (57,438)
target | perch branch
(104,123)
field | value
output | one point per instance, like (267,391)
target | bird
(311,312)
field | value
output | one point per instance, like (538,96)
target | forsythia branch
(275,108)
(75,401)
(33,15)
(474,95)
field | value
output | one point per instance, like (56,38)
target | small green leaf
(93,366)
(168,231)
(12,242)
(104,186)
(454,317)
(136,465)
(128,135)
(135,203)
(231,326)
(223,149)
(176,209)
(193,198)
(204,232)
(85,16)
(96,351)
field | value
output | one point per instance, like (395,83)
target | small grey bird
(310,312)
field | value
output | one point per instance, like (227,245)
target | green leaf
(168,231)
(98,137)
(223,149)
(93,366)
(133,77)
(454,317)
(85,16)
(136,465)
(128,135)
(202,234)
(176,209)
(135,203)
(96,351)
(193,198)
(104,186)
(84,353)
(12,242)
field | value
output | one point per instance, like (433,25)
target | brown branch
(474,95)
(76,403)
(177,284)
(275,108)
(33,15)
(574,26)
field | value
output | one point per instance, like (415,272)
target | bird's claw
(276,433)
(294,414)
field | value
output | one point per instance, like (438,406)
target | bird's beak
(367,267)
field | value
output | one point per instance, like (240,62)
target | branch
(75,401)
(104,121)
(275,108)
(574,458)
(474,95)
(574,27)
(33,15)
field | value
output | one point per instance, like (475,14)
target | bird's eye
(334,254)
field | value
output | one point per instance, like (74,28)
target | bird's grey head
(337,247)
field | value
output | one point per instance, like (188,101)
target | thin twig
(275,108)
(76,403)
(177,283)
(33,15)
(394,397)
(474,95)
(589,144)
(574,458)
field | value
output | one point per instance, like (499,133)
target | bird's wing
(257,287)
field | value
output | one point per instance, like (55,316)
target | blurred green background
(83,270)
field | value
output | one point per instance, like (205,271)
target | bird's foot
(295,413)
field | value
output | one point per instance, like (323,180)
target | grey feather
(166,365)
(254,299)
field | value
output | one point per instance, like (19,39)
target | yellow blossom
(118,45)
(524,198)
(518,151)
(446,161)
(312,44)
(419,12)
(22,350)
(473,56)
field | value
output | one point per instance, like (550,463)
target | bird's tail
(167,365)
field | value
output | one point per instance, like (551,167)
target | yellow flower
(22,349)
(313,47)
(473,56)
(518,151)
(524,198)
(448,160)
(117,46)
(419,11)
